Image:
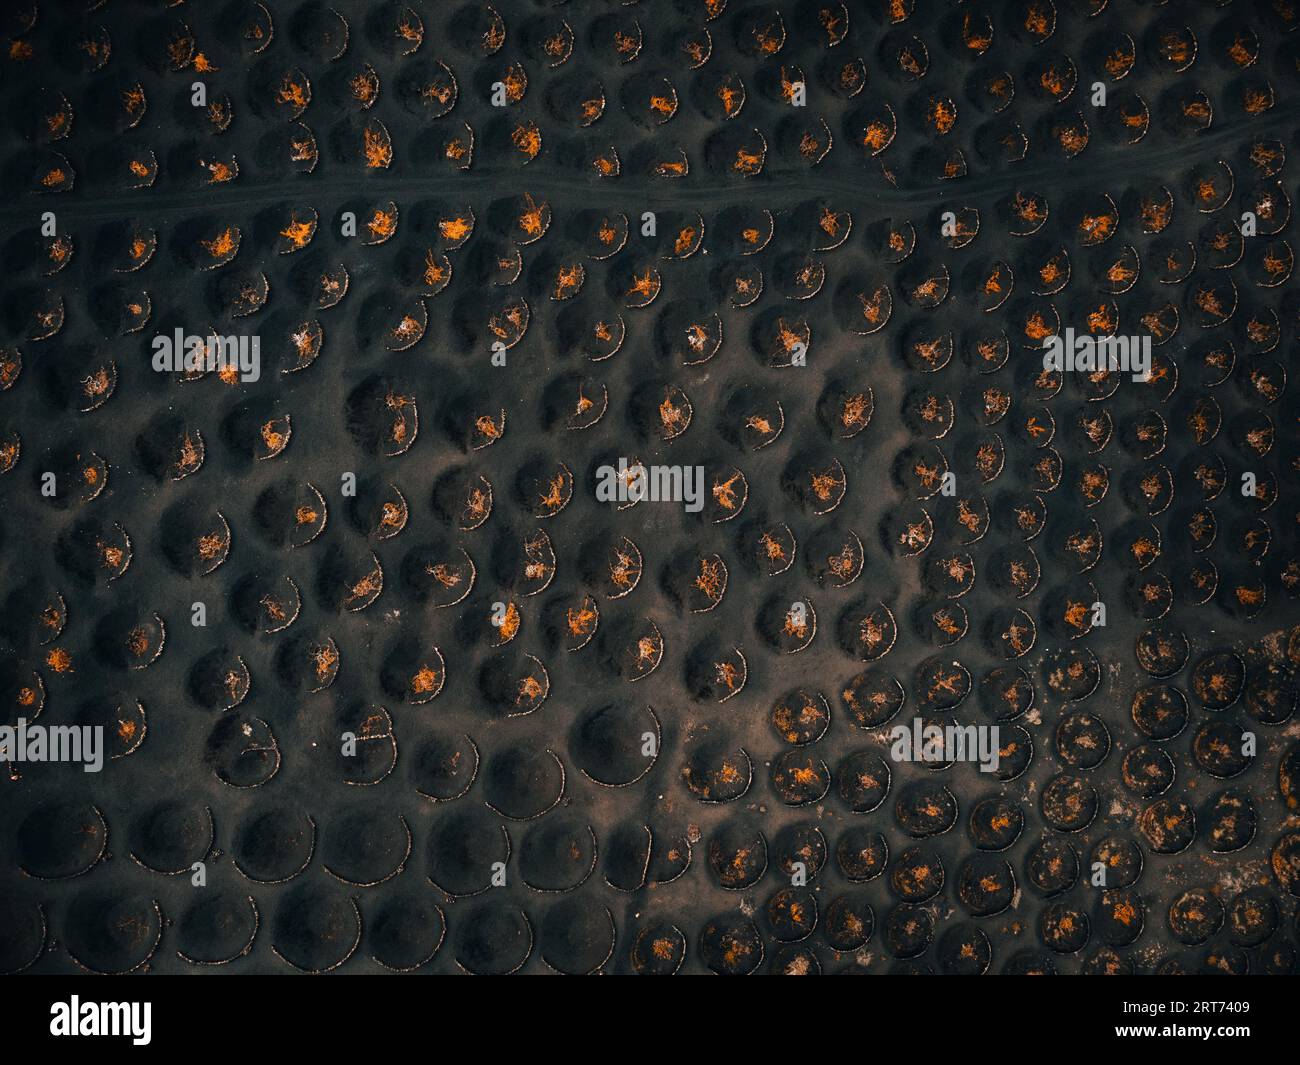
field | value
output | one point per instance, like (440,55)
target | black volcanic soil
(481,743)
